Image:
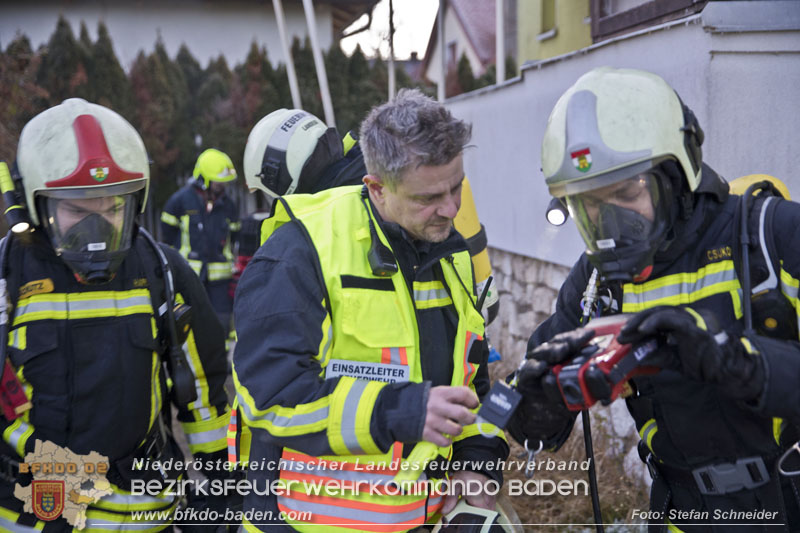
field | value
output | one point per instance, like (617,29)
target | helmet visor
(90,226)
(625,213)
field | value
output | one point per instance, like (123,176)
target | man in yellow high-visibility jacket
(360,342)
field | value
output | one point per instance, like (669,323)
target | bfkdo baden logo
(48,499)
(64,484)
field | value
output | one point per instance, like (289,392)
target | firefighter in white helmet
(292,151)
(95,333)
(359,336)
(624,152)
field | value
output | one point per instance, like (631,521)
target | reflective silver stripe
(16,435)
(360,515)
(218,271)
(196,265)
(108,303)
(198,406)
(648,431)
(68,306)
(186,245)
(169,219)
(430,294)
(206,436)
(394,355)
(787,289)
(349,416)
(327,347)
(300,419)
(13,527)
(472,338)
(38,306)
(433,501)
(675,289)
(15,337)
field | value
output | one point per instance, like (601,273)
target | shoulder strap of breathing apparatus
(766,311)
(177,320)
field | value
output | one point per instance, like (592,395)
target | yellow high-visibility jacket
(339,407)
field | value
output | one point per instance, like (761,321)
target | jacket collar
(423,253)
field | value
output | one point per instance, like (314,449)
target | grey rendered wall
(737,65)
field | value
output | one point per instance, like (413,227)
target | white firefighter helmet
(287,150)
(619,147)
(617,121)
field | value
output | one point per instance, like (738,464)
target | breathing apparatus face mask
(91,235)
(623,223)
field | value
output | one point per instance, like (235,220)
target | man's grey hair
(410,131)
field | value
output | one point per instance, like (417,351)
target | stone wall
(527,289)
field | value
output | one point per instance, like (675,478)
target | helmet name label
(292,121)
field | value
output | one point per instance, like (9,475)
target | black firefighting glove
(541,416)
(700,349)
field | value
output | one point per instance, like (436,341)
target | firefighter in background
(88,328)
(202,223)
(664,234)
(292,151)
(359,337)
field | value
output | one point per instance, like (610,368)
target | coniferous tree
(339,84)
(85,46)
(465,79)
(83,37)
(307,77)
(218,124)
(180,134)
(20,97)
(282,86)
(365,91)
(257,79)
(154,112)
(63,72)
(171,102)
(111,85)
(190,115)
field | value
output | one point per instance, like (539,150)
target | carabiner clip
(795,448)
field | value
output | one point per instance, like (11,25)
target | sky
(413,22)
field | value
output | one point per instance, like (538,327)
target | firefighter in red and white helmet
(92,333)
